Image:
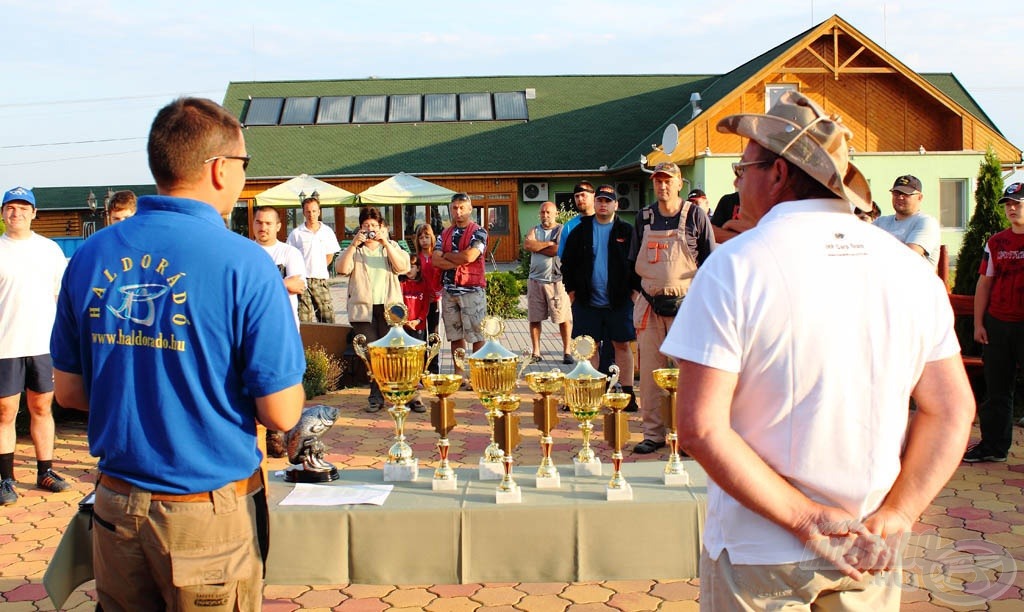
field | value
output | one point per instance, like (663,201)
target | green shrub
(523,271)
(503,291)
(323,371)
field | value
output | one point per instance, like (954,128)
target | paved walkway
(965,554)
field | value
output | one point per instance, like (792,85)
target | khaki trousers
(648,347)
(725,587)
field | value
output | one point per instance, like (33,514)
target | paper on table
(305,494)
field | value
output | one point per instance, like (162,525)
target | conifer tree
(988,218)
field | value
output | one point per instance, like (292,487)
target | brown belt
(243,487)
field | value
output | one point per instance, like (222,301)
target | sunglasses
(245,159)
(738,168)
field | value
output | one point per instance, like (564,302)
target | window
(953,203)
(369,109)
(475,107)
(334,109)
(405,109)
(440,107)
(264,111)
(299,111)
(774,91)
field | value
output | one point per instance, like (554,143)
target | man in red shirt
(999,325)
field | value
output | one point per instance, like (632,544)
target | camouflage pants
(317,296)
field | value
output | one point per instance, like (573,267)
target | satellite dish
(670,139)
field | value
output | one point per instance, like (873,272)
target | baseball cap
(1014,192)
(607,192)
(667,168)
(696,193)
(20,194)
(583,187)
(907,184)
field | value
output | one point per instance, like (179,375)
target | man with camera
(672,238)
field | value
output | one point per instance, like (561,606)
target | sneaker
(7,494)
(567,359)
(981,454)
(417,406)
(52,482)
(632,407)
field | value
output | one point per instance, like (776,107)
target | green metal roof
(577,123)
(73,198)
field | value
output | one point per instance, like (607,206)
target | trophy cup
(545,416)
(616,433)
(668,379)
(442,418)
(493,370)
(506,431)
(396,362)
(584,388)
(305,449)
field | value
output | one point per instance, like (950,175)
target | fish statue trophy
(442,418)
(493,371)
(506,432)
(305,448)
(616,433)
(397,362)
(675,472)
(584,390)
(545,417)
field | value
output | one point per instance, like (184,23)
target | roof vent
(695,102)
(531,93)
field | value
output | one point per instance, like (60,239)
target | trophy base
(445,484)
(623,493)
(402,473)
(589,468)
(677,480)
(553,481)
(299,474)
(515,496)
(491,470)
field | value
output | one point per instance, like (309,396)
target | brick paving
(966,553)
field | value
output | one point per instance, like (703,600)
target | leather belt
(243,487)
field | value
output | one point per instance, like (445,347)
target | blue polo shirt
(175,324)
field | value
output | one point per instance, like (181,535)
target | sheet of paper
(305,494)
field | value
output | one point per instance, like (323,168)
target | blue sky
(83,80)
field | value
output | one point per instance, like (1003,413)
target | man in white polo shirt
(318,244)
(815,475)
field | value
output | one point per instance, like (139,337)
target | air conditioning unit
(535,192)
(629,196)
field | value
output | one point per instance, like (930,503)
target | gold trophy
(545,417)
(584,388)
(616,433)
(442,418)
(493,370)
(397,362)
(506,430)
(668,379)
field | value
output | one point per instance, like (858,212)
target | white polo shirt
(828,322)
(315,247)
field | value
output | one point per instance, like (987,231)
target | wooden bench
(963,306)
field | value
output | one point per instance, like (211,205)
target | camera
(370,235)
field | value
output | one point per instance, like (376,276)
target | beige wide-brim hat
(800,131)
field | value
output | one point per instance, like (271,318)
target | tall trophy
(545,417)
(584,389)
(442,418)
(668,379)
(493,370)
(616,433)
(506,431)
(397,362)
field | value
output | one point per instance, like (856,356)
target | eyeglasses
(900,194)
(245,159)
(738,168)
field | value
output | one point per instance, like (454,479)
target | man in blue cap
(31,267)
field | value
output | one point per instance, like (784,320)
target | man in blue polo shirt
(169,331)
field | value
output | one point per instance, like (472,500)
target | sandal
(648,446)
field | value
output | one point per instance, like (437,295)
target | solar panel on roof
(510,105)
(334,109)
(264,111)
(369,109)
(299,111)
(440,107)
(475,107)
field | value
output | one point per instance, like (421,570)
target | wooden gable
(889,107)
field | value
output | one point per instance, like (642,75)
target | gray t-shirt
(919,228)
(544,268)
